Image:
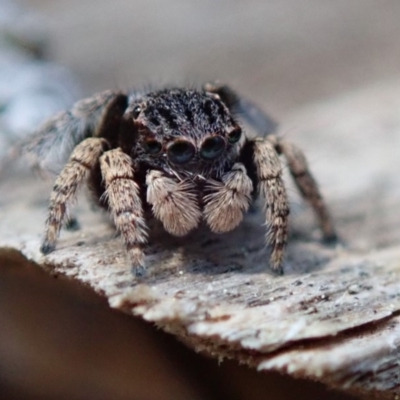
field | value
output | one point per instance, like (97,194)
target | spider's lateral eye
(136,111)
(152,146)
(235,135)
(212,147)
(181,151)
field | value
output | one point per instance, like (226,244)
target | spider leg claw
(332,239)
(47,248)
(139,271)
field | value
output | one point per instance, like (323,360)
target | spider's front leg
(123,196)
(266,170)
(82,160)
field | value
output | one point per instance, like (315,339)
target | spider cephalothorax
(185,132)
(179,152)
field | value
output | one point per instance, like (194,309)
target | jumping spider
(178,153)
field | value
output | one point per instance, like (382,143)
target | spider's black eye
(212,148)
(152,146)
(181,151)
(235,135)
(136,111)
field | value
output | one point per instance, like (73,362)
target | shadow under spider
(242,250)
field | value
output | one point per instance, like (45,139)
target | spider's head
(185,131)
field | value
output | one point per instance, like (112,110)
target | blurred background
(58,340)
(281,53)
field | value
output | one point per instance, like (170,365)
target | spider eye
(212,148)
(235,135)
(181,151)
(136,111)
(152,146)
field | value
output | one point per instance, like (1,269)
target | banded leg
(123,197)
(174,203)
(307,185)
(82,160)
(229,200)
(272,189)
(50,147)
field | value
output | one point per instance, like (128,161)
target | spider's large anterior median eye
(152,146)
(181,151)
(235,135)
(212,147)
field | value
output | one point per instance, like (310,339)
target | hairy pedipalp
(173,202)
(228,200)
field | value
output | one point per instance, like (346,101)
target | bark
(334,316)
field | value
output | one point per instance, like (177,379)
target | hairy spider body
(180,153)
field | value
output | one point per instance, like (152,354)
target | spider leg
(247,110)
(228,200)
(307,185)
(123,196)
(82,160)
(266,172)
(50,146)
(173,202)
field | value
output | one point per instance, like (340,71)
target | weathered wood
(335,314)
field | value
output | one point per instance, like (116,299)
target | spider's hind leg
(49,148)
(246,109)
(307,185)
